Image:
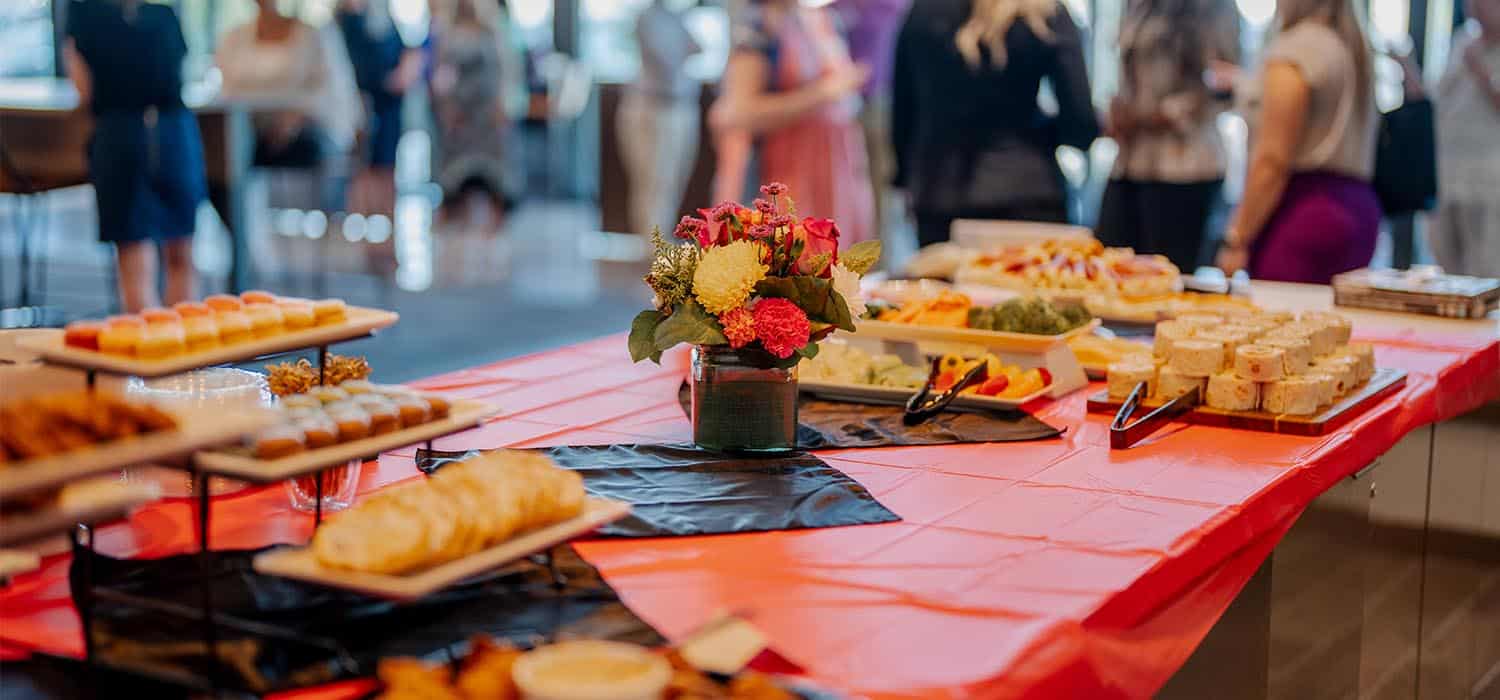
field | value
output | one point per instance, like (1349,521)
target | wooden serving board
(117,502)
(358,322)
(299,562)
(1344,408)
(462,415)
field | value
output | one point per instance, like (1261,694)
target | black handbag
(1406,159)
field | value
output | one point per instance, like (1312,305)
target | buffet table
(1056,568)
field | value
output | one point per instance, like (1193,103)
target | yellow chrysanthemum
(727,275)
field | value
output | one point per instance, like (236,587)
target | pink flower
(739,327)
(774,189)
(782,327)
(714,231)
(689,228)
(764,207)
(761,231)
(820,237)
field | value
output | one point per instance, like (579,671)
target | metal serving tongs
(1124,434)
(924,406)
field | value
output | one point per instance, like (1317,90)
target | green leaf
(818,263)
(689,323)
(643,336)
(861,257)
(808,351)
(813,295)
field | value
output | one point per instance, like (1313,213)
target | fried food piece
(411,679)
(486,673)
(756,686)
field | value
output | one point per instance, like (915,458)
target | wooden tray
(896,396)
(358,323)
(1344,408)
(1024,342)
(196,430)
(117,502)
(300,564)
(462,415)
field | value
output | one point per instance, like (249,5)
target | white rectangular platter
(1019,342)
(358,322)
(196,430)
(113,503)
(889,395)
(299,562)
(462,415)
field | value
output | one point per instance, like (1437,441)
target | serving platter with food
(845,371)
(1266,372)
(51,439)
(418,538)
(219,330)
(91,501)
(1084,265)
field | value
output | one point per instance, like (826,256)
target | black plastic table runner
(679,490)
(302,635)
(826,425)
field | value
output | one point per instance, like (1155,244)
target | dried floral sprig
(672,269)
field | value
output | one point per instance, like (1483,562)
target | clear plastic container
(218,389)
(340,485)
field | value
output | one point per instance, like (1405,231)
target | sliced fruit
(1046,376)
(993,387)
(951,363)
(945,381)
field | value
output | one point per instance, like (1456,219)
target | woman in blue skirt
(146,156)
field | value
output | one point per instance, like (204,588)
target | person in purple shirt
(871,28)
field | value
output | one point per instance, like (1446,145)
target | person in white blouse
(305,72)
(1465,236)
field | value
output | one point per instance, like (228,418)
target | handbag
(1406,159)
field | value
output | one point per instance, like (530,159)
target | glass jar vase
(743,402)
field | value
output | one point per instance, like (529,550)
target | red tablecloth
(1042,569)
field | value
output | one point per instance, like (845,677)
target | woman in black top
(145,157)
(971,140)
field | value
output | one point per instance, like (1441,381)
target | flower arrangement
(752,277)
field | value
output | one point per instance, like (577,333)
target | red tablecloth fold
(1045,569)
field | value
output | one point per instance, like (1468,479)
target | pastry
(224,302)
(201,331)
(355,387)
(277,442)
(352,423)
(1339,326)
(297,314)
(413,410)
(328,394)
(1297,352)
(1365,353)
(1344,370)
(437,405)
(1167,333)
(161,340)
(1123,376)
(189,309)
(265,319)
(1230,392)
(1327,387)
(1201,321)
(1229,337)
(318,430)
(1260,363)
(234,326)
(83,334)
(1297,396)
(50,424)
(384,416)
(1197,358)
(157,315)
(328,311)
(1321,337)
(1171,383)
(258,296)
(120,338)
(300,401)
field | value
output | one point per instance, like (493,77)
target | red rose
(716,232)
(819,237)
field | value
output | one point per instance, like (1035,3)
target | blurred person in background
(279,58)
(1170,168)
(658,118)
(971,139)
(1309,211)
(384,69)
(791,90)
(872,26)
(477,79)
(1465,236)
(146,156)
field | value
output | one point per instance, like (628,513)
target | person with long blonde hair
(1309,210)
(971,138)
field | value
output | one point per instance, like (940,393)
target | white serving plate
(462,415)
(358,322)
(889,395)
(111,502)
(299,562)
(196,430)
(1021,342)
